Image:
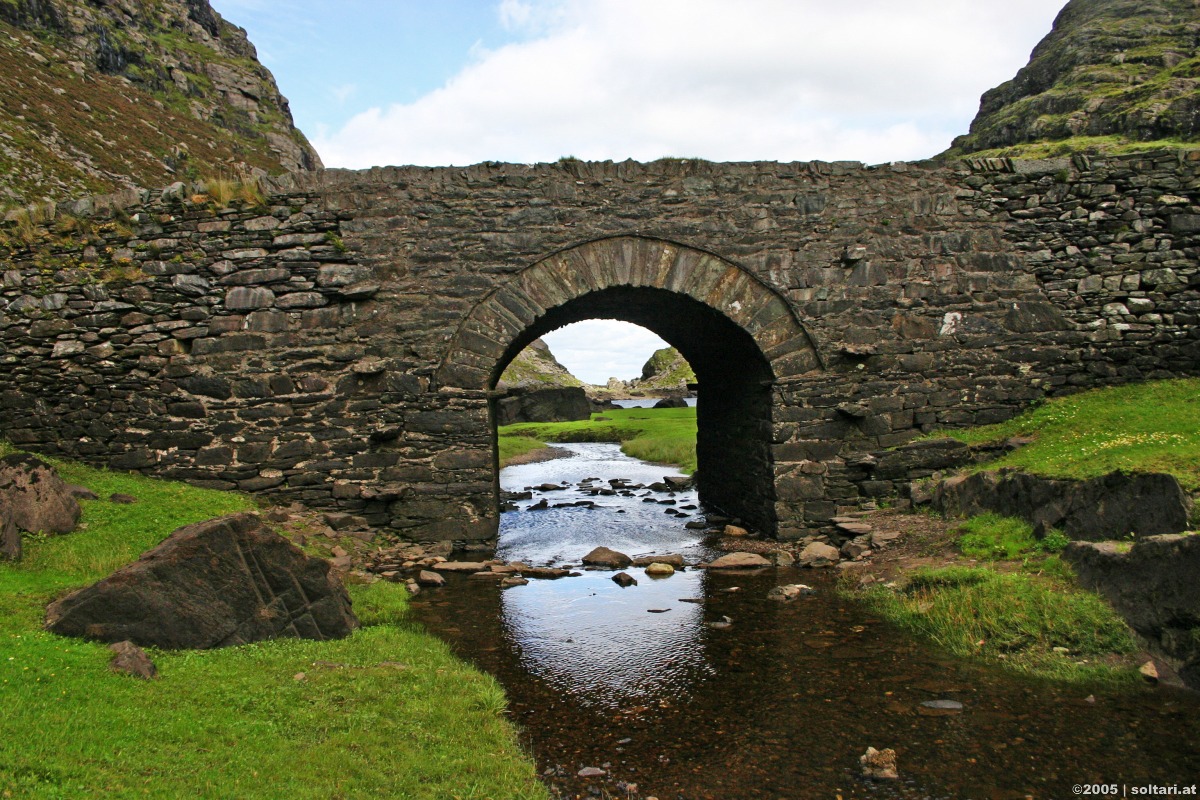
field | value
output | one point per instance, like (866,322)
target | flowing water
(781,701)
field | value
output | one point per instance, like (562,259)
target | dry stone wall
(295,348)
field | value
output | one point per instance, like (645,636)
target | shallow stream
(782,701)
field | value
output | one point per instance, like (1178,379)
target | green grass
(513,446)
(1145,427)
(1014,619)
(660,435)
(993,537)
(387,712)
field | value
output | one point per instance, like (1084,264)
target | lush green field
(1028,614)
(387,712)
(1145,427)
(661,435)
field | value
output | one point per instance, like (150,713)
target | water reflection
(600,643)
(606,646)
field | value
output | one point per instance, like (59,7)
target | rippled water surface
(781,702)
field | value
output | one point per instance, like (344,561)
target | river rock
(786,594)
(679,483)
(781,558)
(940,708)
(879,764)
(513,580)
(624,579)
(226,581)
(819,554)
(129,659)
(429,578)
(462,566)
(674,559)
(739,561)
(604,557)
(33,496)
(735,531)
(549,573)
(856,547)
(659,569)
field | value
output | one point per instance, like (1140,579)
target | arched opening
(739,336)
(733,412)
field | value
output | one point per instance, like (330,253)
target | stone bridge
(340,343)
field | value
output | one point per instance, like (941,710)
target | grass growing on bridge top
(1144,427)
(660,435)
(386,712)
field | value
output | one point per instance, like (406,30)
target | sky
(456,82)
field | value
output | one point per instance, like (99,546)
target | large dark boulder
(671,402)
(1154,587)
(562,404)
(222,582)
(33,497)
(1107,507)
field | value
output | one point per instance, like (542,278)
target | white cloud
(781,80)
(598,349)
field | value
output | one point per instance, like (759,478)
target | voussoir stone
(34,497)
(221,582)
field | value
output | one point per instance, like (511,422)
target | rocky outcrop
(535,367)
(1101,508)
(665,371)
(226,581)
(1154,587)
(34,498)
(562,404)
(102,96)
(1123,69)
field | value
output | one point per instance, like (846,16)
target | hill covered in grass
(1112,76)
(99,96)
(535,367)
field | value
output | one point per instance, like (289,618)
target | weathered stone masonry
(337,346)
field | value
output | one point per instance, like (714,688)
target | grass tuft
(1014,619)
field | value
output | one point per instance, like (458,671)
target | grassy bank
(1022,609)
(387,712)
(661,435)
(1145,427)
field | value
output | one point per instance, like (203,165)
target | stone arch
(740,336)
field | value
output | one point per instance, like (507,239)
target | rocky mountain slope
(103,94)
(536,368)
(666,370)
(1112,75)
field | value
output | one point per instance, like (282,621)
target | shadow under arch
(739,335)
